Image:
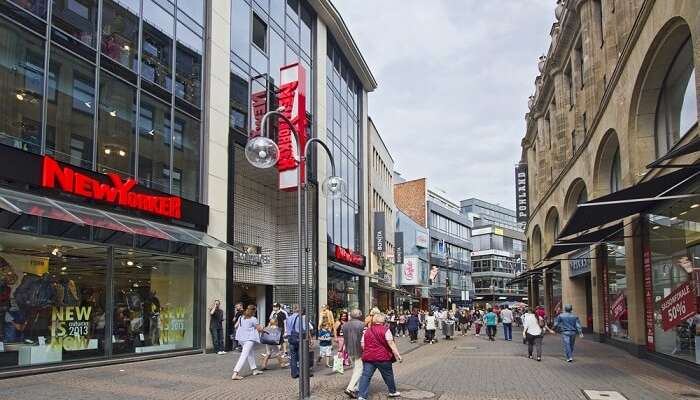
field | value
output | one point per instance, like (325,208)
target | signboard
(345,256)
(498,231)
(422,239)
(434,273)
(618,309)
(677,306)
(648,298)
(398,247)
(292,97)
(521,193)
(379,232)
(250,255)
(606,288)
(580,263)
(409,271)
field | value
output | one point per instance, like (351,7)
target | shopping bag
(338,363)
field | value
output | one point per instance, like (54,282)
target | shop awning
(585,240)
(539,270)
(630,201)
(348,270)
(691,147)
(25,203)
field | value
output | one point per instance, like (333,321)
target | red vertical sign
(606,303)
(292,97)
(648,297)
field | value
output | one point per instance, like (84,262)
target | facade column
(547,287)
(216,131)
(319,112)
(634,274)
(598,291)
(573,291)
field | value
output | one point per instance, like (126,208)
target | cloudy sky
(454,77)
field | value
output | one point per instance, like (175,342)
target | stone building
(612,227)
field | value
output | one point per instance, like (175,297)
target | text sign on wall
(580,263)
(379,232)
(521,201)
(409,271)
(677,306)
(648,298)
(292,96)
(618,309)
(398,247)
(421,239)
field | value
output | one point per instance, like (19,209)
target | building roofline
(381,139)
(487,204)
(336,25)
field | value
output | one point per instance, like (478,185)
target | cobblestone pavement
(467,368)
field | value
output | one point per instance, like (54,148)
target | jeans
(568,341)
(357,368)
(536,342)
(217,338)
(508,331)
(384,368)
(429,335)
(294,359)
(246,355)
(491,331)
(414,334)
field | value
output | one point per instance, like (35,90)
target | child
(325,342)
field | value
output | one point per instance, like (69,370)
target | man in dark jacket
(413,325)
(216,327)
(352,332)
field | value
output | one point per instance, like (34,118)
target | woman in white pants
(247,335)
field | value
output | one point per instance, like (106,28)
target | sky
(453,78)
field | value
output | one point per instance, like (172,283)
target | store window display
(617,292)
(674,249)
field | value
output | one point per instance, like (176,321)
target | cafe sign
(678,306)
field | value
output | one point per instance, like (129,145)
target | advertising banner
(379,232)
(292,97)
(398,247)
(521,201)
(619,307)
(434,273)
(677,306)
(421,239)
(409,271)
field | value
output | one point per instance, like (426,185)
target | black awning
(630,201)
(691,147)
(585,240)
(347,269)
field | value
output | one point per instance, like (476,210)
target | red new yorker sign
(292,96)
(119,192)
(345,255)
(677,306)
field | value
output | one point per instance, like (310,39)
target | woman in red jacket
(379,352)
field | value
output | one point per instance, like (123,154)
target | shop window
(186,143)
(157,53)
(676,112)
(154,144)
(120,31)
(53,301)
(78,18)
(259,33)
(153,302)
(116,126)
(617,292)
(674,245)
(188,65)
(70,115)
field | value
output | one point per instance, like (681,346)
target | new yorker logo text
(118,193)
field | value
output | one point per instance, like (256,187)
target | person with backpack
(247,334)
(534,328)
(379,351)
(297,322)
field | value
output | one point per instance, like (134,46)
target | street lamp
(262,152)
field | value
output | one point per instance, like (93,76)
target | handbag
(271,336)
(338,363)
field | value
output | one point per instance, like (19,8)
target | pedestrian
(402,324)
(296,323)
(491,322)
(568,325)
(279,314)
(247,334)
(379,351)
(413,324)
(533,332)
(325,343)
(352,335)
(273,351)
(374,311)
(463,322)
(391,319)
(339,336)
(539,311)
(326,316)
(430,327)
(477,322)
(507,321)
(237,312)
(216,327)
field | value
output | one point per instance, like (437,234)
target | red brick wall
(410,199)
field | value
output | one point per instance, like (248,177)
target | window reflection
(193,9)
(154,144)
(240,29)
(120,31)
(77,18)
(22,71)
(186,157)
(70,112)
(115,138)
(188,71)
(156,57)
(36,7)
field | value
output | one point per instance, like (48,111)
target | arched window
(615,172)
(676,111)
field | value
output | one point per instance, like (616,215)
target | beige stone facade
(593,128)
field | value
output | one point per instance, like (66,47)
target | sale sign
(678,306)
(648,298)
(619,307)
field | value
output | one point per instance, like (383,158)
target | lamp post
(262,152)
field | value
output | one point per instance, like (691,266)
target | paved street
(466,368)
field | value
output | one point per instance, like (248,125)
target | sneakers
(395,394)
(350,394)
(570,360)
(256,372)
(220,352)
